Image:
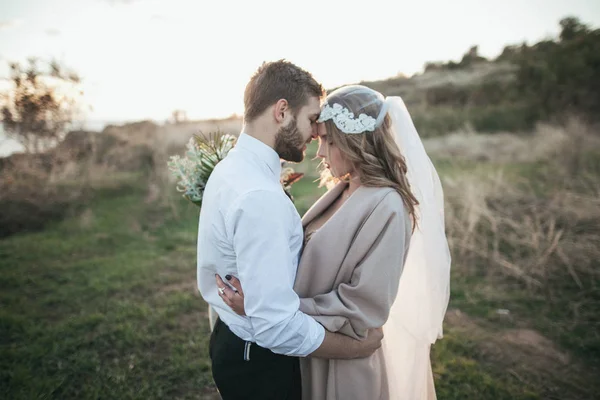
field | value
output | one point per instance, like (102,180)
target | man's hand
(370,344)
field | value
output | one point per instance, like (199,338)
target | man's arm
(334,345)
(260,225)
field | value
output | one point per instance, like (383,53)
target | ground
(104,305)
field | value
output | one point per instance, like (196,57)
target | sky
(142,59)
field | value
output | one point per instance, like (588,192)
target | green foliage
(438,121)
(552,80)
(511,117)
(563,77)
(468,59)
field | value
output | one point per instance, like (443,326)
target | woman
(365,264)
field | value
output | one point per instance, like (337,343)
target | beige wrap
(347,280)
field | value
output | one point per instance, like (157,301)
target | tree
(509,53)
(40,104)
(562,77)
(571,28)
(471,56)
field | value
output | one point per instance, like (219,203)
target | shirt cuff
(317,339)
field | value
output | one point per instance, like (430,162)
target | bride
(375,251)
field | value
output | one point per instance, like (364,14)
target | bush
(512,118)
(563,77)
(42,187)
(439,121)
(28,199)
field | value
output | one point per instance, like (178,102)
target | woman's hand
(234,298)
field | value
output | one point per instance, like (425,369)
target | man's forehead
(314,105)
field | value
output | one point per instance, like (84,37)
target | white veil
(416,317)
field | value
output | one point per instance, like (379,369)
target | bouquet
(288,178)
(202,156)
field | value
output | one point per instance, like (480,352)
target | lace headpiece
(345,119)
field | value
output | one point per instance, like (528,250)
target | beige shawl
(348,279)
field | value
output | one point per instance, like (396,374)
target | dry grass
(535,228)
(38,188)
(523,223)
(534,239)
(547,141)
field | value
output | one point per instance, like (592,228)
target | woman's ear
(280,110)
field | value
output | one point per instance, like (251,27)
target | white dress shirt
(250,229)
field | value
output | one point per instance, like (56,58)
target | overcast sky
(141,59)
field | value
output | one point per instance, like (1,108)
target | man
(249,228)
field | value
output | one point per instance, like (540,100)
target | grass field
(103,305)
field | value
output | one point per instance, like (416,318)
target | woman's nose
(320,152)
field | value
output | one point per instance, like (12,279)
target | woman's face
(331,155)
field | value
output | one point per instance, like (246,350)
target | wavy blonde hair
(374,156)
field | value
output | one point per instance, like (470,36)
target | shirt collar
(262,151)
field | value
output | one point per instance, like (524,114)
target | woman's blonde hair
(373,155)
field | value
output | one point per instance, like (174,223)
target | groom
(249,228)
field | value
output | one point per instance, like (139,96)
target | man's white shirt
(250,229)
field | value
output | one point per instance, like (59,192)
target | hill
(549,81)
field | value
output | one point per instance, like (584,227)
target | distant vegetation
(548,81)
(38,107)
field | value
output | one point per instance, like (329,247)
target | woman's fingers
(224,290)
(226,301)
(235,282)
(220,282)
(232,297)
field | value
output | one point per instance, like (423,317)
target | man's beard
(289,143)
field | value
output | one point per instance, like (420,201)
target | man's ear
(280,110)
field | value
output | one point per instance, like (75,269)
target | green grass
(460,373)
(104,306)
